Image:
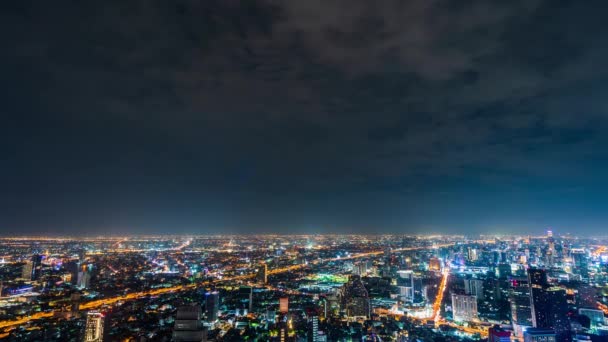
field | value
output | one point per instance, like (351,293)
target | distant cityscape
(548,287)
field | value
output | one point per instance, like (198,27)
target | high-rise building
(188,326)
(537,280)
(434,264)
(474,287)
(558,313)
(355,299)
(550,309)
(75,303)
(94,328)
(496,334)
(284,305)
(464,308)
(313,329)
(521,310)
(26,271)
(212,305)
(84,277)
(32,268)
(539,335)
(73,267)
(580,263)
(245,296)
(262,276)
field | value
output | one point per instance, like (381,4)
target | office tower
(84,277)
(504,271)
(539,335)
(474,287)
(537,280)
(26,271)
(262,276)
(434,264)
(355,299)
(551,252)
(245,296)
(75,303)
(73,268)
(496,334)
(472,254)
(580,263)
(32,268)
(212,305)
(94,328)
(550,310)
(405,283)
(464,308)
(284,305)
(521,310)
(313,329)
(188,326)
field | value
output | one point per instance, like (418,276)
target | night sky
(186,116)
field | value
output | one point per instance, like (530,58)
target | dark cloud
(270,113)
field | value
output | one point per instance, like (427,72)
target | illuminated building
(539,335)
(496,334)
(262,276)
(188,326)
(355,299)
(32,268)
(94,328)
(284,305)
(84,277)
(474,287)
(245,296)
(212,304)
(580,263)
(313,329)
(521,310)
(464,308)
(434,264)
(550,310)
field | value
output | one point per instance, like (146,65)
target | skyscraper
(188,326)
(557,317)
(580,263)
(212,305)
(521,310)
(355,299)
(474,287)
(32,268)
(313,329)
(537,280)
(84,277)
(464,308)
(94,328)
(262,276)
(245,296)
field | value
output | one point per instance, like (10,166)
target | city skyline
(325,116)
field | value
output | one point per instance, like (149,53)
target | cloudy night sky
(202,116)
